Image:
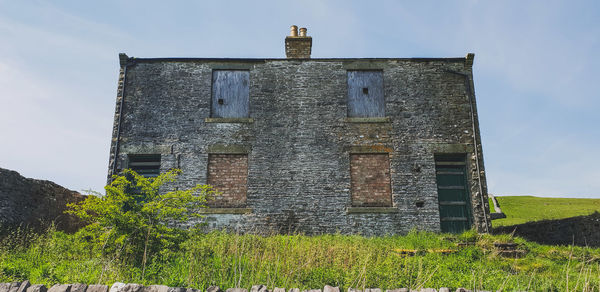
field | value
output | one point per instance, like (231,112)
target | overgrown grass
(230,260)
(521,209)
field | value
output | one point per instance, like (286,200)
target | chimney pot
(303,32)
(294,31)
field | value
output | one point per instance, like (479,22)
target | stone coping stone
(78,287)
(97,288)
(132,287)
(39,288)
(60,288)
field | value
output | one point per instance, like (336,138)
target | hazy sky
(536,71)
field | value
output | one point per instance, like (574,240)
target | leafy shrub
(138,217)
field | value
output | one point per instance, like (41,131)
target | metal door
(453,193)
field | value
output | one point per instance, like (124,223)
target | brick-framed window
(370,180)
(365,94)
(228,174)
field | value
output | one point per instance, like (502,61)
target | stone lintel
(230,120)
(145,148)
(228,149)
(364,65)
(369,120)
(451,148)
(369,210)
(232,66)
(226,211)
(370,149)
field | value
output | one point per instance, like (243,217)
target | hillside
(521,209)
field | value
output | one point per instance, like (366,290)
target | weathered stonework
(36,204)
(299,139)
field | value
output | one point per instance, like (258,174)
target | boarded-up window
(230,93)
(228,173)
(365,94)
(453,192)
(147,165)
(370,180)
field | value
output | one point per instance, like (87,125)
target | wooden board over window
(230,93)
(365,94)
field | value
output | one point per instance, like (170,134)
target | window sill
(371,210)
(229,120)
(369,120)
(226,211)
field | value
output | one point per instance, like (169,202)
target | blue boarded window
(230,94)
(365,94)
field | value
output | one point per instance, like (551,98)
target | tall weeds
(416,260)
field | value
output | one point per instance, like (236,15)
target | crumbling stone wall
(35,203)
(299,139)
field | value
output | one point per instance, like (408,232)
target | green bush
(138,218)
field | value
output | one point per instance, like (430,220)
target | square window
(370,180)
(365,94)
(230,94)
(228,174)
(146,165)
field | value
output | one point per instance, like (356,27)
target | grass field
(416,260)
(521,209)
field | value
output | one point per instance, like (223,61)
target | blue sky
(537,71)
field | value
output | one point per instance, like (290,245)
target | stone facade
(298,142)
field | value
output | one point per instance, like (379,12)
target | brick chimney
(298,46)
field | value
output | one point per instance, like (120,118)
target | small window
(228,174)
(370,180)
(365,94)
(230,94)
(146,165)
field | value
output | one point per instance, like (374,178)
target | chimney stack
(298,47)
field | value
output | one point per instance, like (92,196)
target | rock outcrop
(35,203)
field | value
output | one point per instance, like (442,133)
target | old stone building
(350,145)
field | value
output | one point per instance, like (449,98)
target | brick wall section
(370,180)
(300,140)
(298,47)
(228,173)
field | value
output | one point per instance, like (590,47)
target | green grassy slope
(521,209)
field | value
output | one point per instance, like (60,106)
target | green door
(453,193)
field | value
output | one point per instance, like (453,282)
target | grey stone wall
(26,286)
(35,204)
(299,139)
